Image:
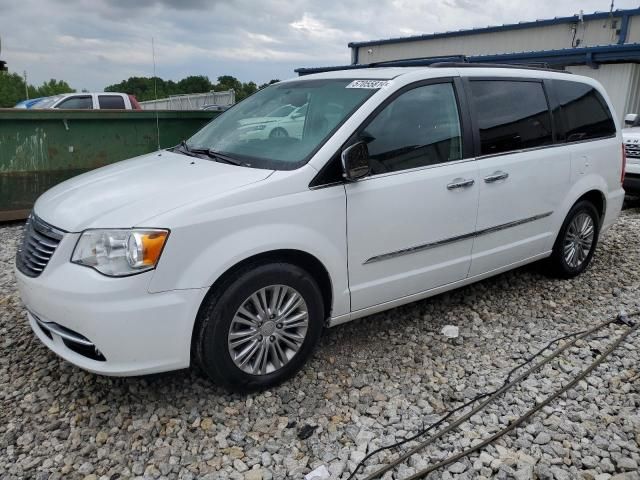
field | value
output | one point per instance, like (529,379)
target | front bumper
(134,331)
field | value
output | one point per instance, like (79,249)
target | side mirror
(630,119)
(355,162)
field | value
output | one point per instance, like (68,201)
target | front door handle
(460,183)
(496,176)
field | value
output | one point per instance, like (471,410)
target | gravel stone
(626,463)
(543,438)
(457,467)
(371,382)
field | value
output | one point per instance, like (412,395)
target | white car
(284,121)
(631,137)
(235,254)
(89,101)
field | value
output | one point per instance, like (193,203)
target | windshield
(281,126)
(47,102)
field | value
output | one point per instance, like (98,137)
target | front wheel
(260,328)
(278,132)
(576,242)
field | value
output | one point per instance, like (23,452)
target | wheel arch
(598,199)
(300,258)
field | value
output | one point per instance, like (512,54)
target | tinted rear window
(583,112)
(511,115)
(111,102)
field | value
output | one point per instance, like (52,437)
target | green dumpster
(40,148)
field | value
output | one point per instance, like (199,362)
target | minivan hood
(126,193)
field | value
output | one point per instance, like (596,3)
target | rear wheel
(576,242)
(261,327)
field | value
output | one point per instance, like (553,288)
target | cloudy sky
(94,43)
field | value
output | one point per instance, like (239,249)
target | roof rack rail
(545,68)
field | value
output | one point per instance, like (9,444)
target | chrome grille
(39,241)
(632,150)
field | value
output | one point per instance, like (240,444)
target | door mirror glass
(355,161)
(631,119)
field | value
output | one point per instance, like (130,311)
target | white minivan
(233,252)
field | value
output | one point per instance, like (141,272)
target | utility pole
(26,87)
(3,65)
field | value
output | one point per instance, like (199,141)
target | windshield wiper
(221,157)
(217,156)
(198,152)
(184,149)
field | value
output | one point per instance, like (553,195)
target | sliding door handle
(460,183)
(496,176)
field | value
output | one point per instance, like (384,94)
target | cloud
(171,4)
(94,43)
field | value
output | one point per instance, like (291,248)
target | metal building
(601,45)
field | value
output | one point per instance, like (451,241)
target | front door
(522,177)
(411,222)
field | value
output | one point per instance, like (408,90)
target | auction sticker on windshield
(371,84)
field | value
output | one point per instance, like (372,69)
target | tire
(561,264)
(278,132)
(220,317)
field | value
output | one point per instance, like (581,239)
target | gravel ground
(372,382)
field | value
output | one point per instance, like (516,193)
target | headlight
(251,128)
(120,252)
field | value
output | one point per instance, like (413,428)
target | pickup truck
(631,139)
(89,101)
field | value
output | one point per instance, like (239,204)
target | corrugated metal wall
(621,81)
(550,37)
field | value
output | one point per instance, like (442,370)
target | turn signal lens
(144,248)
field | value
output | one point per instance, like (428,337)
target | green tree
(141,87)
(144,88)
(227,82)
(243,90)
(53,87)
(195,84)
(271,82)
(11,89)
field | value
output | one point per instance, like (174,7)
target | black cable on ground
(423,473)
(508,383)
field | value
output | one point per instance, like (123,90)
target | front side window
(584,112)
(84,102)
(111,102)
(418,128)
(281,126)
(511,115)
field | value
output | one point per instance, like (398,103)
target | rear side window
(83,102)
(583,112)
(511,115)
(111,102)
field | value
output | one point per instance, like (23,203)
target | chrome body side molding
(466,236)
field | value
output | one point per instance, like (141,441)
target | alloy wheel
(578,240)
(268,329)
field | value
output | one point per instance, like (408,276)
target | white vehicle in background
(631,138)
(284,121)
(234,254)
(89,101)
